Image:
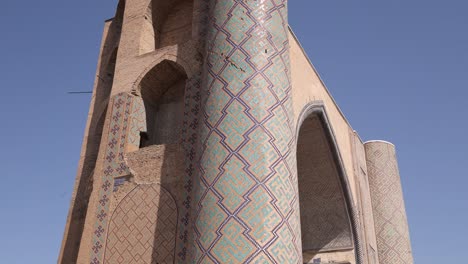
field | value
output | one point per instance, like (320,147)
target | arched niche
(166,23)
(326,221)
(162,90)
(143,228)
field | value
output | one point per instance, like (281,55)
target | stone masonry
(212,139)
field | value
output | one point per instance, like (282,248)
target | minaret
(246,194)
(391,224)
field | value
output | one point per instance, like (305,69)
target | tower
(212,139)
(388,205)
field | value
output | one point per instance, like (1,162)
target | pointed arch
(163,91)
(328,217)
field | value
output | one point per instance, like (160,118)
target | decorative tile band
(246,197)
(128,118)
(391,225)
(189,143)
(119,137)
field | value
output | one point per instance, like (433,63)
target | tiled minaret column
(393,241)
(246,194)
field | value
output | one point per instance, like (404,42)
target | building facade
(212,139)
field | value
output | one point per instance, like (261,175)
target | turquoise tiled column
(246,201)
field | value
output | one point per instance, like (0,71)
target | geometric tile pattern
(127,121)
(325,221)
(142,228)
(391,225)
(189,139)
(246,199)
(113,166)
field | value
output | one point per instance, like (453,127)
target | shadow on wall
(166,23)
(163,93)
(172,179)
(162,90)
(325,223)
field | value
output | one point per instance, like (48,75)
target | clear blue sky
(398,69)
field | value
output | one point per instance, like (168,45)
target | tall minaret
(246,207)
(391,224)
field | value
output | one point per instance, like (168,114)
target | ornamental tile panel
(238,24)
(232,248)
(211,162)
(281,187)
(261,97)
(236,72)
(262,219)
(222,49)
(211,216)
(259,151)
(234,184)
(235,125)
(284,251)
(218,98)
(255,126)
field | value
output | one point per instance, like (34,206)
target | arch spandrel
(308,89)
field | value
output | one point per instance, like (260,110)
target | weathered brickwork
(114,166)
(93,135)
(204,145)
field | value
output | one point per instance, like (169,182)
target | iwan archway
(327,220)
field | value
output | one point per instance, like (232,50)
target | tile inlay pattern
(391,225)
(246,196)
(143,227)
(114,166)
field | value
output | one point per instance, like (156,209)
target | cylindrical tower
(393,240)
(246,203)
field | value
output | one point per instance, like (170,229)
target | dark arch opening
(326,225)
(167,22)
(162,90)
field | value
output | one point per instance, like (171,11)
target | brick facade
(212,139)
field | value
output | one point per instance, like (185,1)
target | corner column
(246,198)
(391,225)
